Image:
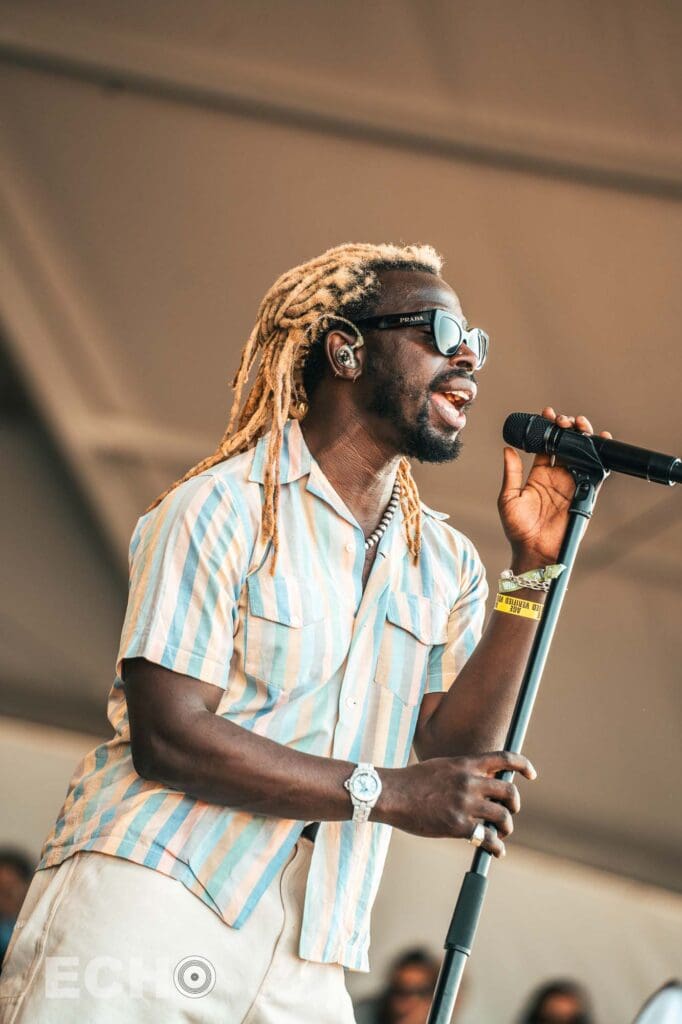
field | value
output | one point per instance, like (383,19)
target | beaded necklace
(375,537)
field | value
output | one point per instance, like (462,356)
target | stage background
(162,163)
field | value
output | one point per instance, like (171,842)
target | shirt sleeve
(465,625)
(188,562)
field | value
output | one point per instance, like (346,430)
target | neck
(359,467)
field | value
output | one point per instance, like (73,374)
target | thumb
(512,476)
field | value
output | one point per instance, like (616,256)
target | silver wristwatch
(364,787)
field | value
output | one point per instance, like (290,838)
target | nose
(464,359)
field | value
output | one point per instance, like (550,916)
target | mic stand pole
(588,473)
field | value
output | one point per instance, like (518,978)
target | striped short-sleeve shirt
(304,656)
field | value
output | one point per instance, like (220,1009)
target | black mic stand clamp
(588,473)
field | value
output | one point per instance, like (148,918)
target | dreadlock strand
(411,507)
(239,383)
(277,370)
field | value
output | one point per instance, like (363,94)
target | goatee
(418,439)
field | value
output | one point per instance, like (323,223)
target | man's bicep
(151,687)
(162,707)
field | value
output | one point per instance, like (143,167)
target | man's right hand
(448,796)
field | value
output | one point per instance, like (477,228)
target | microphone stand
(588,473)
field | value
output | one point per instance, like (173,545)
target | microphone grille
(526,431)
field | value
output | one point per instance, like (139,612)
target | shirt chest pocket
(285,633)
(414,624)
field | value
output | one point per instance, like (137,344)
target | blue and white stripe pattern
(304,657)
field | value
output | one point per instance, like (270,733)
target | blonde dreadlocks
(295,313)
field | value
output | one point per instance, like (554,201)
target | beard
(417,438)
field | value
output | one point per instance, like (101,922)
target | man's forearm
(474,715)
(177,740)
(223,763)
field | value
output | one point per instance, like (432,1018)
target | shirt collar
(295,459)
(433,512)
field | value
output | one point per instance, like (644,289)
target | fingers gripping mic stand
(588,472)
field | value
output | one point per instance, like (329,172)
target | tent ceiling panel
(582,84)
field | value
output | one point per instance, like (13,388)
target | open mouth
(451,403)
(460,399)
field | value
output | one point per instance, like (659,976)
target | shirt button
(295,621)
(351,703)
(350,547)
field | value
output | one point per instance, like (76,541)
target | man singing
(297,620)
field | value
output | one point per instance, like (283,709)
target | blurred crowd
(407,996)
(16,872)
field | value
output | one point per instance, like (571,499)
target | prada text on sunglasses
(448,332)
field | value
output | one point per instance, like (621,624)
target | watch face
(365,786)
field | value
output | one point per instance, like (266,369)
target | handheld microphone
(536,434)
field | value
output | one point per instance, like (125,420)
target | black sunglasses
(448,332)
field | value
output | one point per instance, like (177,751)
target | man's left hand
(534,514)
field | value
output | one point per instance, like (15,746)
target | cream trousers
(103,940)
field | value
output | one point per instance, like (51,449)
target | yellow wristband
(517,606)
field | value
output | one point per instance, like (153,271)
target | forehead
(561,1002)
(413,974)
(408,291)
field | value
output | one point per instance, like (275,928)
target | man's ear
(345,353)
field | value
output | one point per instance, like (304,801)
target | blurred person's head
(386,385)
(664,1006)
(16,871)
(408,995)
(559,1002)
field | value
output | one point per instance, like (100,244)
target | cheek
(419,376)
(407,370)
